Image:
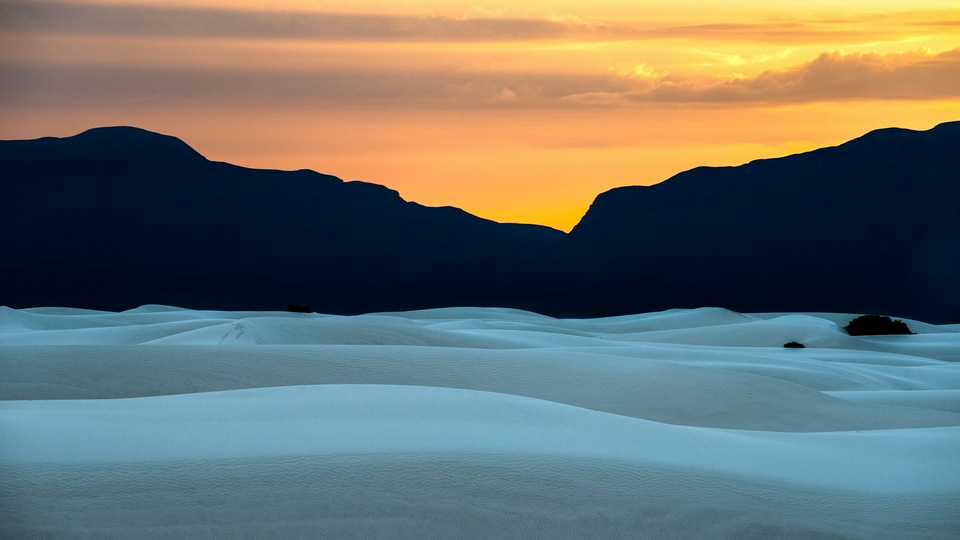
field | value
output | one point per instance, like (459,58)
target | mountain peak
(133,142)
(861,226)
(122,216)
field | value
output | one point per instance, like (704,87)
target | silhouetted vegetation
(297,308)
(794,345)
(876,325)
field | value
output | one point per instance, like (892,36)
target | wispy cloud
(482,26)
(159,66)
(221,23)
(781,32)
(832,76)
(173,86)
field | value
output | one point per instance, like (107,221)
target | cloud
(26,83)
(92,77)
(854,27)
(222,23)
(784,32)
(480,26)
(831,76)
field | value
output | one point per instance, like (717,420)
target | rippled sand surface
(162,422)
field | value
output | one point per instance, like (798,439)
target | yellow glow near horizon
(513,111)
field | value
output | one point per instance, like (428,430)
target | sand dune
(474,423)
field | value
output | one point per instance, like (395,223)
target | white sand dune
(474,423)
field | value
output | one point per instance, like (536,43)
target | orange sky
(512,111)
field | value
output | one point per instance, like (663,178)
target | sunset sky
(514,111)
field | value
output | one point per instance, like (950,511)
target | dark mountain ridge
(117,217)
(874,222)
(114,217)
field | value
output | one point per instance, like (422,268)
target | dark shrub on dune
(794,345)
(876,325)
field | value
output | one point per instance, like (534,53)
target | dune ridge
(474,423)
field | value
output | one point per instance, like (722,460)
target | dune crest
(474,422)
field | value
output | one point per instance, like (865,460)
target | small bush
(794,345)
(297,308)
(876,325)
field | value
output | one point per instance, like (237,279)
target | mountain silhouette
(870,225)
(117,217)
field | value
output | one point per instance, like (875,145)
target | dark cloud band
(182,22)
(832,76)
(95,19)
